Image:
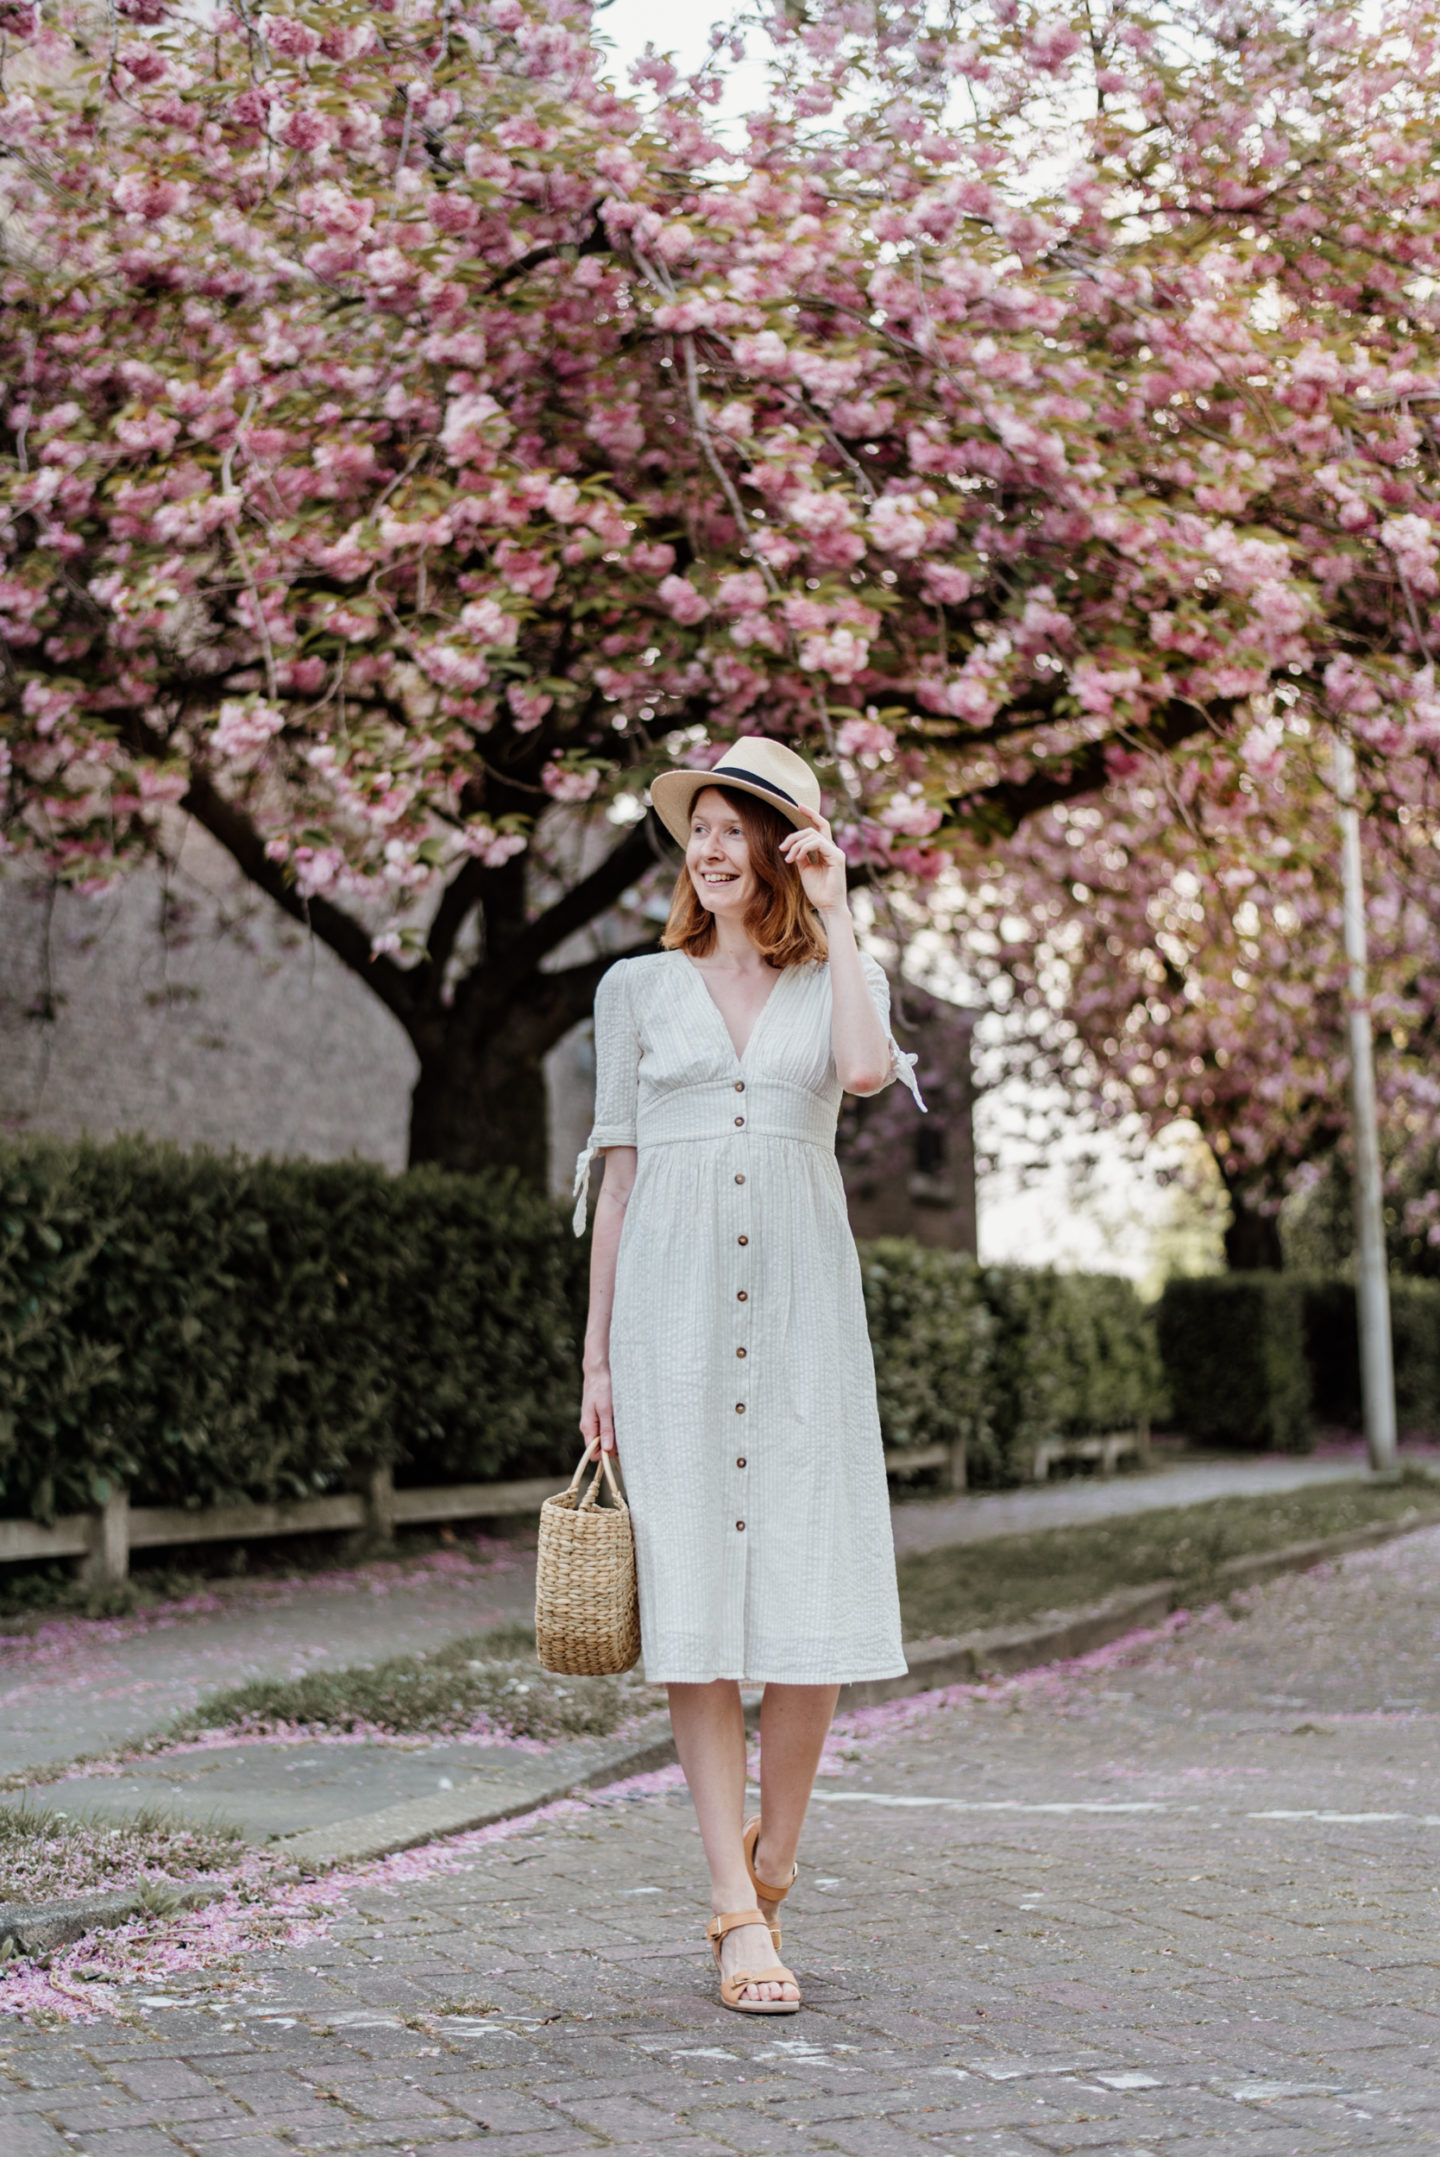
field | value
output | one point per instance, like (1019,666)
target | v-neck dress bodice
(740,1364)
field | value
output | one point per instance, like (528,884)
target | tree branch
(999,810)
(345,937)
(621,868)
(560,1000)
(460,897)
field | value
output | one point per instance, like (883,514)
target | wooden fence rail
(100,1542)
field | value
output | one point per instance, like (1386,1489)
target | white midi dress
(741,1372)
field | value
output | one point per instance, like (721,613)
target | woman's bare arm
(859,1043)
(597,1416)
(858,1038)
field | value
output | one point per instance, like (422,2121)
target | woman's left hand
(820,862)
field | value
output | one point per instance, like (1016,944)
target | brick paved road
(1183,1903)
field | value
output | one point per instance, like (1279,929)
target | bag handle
(602,1467)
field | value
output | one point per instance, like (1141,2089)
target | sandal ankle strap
(731,1921)
(750,1842)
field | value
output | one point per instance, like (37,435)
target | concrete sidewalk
(1175,1478)
(76,1687)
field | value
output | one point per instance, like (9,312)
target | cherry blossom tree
(411,440)
(1176,950)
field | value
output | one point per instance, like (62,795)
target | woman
(726,1352)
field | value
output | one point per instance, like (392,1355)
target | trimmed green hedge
(1074,1353)
(1233,1346)
(1332,1347)
(932,1338)
(206,1329)
(1252,1358)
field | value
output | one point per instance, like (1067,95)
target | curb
(997,1651)
(451,1812)
(39,1929)
(1005,1648)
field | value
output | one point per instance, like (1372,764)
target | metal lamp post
(1372,1287)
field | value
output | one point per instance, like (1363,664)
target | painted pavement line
(1100,1805)
(878,1797)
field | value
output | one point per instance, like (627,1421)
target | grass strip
(1015,1577)
(48,1855)
(488,1680)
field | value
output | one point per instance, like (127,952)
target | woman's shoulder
(628,975)
(818,969)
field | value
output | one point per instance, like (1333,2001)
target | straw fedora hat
(756,766)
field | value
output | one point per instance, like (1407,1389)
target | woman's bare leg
(794,1720)
(709,1730)
(709,1726)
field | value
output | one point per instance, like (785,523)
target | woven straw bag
(587,1605)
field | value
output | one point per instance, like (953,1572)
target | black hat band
(723,772)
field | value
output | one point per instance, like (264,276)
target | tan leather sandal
(749,1841)
(732,1987)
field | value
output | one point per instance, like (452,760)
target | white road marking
(880,1797)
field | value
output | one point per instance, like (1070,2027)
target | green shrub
(1075,1353)
(1332,1345)
(207,1329)
(1233,1347)
(931,1337)
(1005,1356)
(57,1385)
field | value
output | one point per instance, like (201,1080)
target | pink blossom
(653,560)
(743,592)
(946,585)
(910,814)
(347,41)
(864,738)
(684,604)
(1096,687)
(307,130)
(529,707)
(526,570)
(401,436)
(487,621)
(245,728)
(1412,541)
(568,785)
(492,847)
(842,655)
(293,40)
(1049,45)
(1349,688)
(895,523)
(387,266)
(764,354)
(562,501)
(141,194)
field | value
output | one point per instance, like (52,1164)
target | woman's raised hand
(597,1414)
(820,862)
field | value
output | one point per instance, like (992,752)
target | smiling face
(718,856)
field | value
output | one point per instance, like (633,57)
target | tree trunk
(481,1100)
(482,1105)
(1252,1240)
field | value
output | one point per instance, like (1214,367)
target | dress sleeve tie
(902,1065)
(581,1192)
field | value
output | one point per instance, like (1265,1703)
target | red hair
(779,920)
